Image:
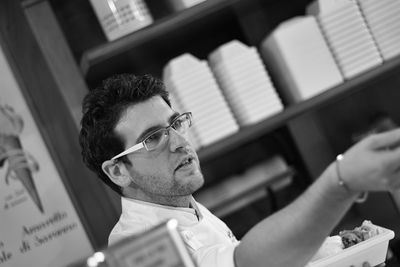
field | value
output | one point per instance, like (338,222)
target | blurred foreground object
(161,246)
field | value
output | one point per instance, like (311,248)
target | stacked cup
(383,18)
(347,34)
(121,17)
(178,107)
(194,88)
(300,59)
(245,83)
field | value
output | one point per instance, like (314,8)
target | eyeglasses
(159,137)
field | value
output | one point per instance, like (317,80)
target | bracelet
(362,197)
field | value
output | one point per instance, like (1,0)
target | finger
(385,140)
(366,264)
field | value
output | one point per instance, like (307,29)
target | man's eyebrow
(173,117)
(154,128)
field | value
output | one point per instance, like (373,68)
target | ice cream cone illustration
(20,163)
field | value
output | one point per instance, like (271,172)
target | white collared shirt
(208,239)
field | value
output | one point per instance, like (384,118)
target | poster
(38,223)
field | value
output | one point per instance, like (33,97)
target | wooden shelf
(249,133)
(160,27)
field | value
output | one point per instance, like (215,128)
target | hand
(373,164)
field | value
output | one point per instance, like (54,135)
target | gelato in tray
(367,242)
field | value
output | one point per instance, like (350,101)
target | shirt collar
(134,206)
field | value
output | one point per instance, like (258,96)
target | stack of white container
(178,107)
(194,89)
(245,83)
(347,34)
(383,18)
(300,60)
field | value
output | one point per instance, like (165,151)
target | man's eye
(155,137)
(177,124)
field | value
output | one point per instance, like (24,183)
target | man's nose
(177,140)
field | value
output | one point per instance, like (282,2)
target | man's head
(122,112)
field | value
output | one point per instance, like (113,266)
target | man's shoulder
(127,227)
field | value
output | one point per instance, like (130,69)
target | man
(138,145)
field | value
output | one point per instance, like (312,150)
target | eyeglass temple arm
(128,151)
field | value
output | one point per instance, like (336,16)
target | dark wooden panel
(344,119)
(312,144)
(58,56)
(259,17)
(79,24)
(55,121)
(330,129)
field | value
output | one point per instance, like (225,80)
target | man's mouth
(184,163)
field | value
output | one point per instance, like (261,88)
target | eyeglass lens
(180,124)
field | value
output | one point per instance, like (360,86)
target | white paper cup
(121,17)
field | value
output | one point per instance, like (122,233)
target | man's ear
(117,172)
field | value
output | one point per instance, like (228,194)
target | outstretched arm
(292,236)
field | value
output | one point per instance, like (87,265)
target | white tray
(372,250)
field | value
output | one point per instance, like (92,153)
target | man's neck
(173,201)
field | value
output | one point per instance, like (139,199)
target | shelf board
(248,133)
(162,26)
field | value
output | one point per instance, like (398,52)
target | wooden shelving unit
(116,50)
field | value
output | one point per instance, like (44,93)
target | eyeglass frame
(142,144)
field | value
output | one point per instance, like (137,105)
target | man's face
(164,172)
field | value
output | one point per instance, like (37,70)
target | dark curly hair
(102,109)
